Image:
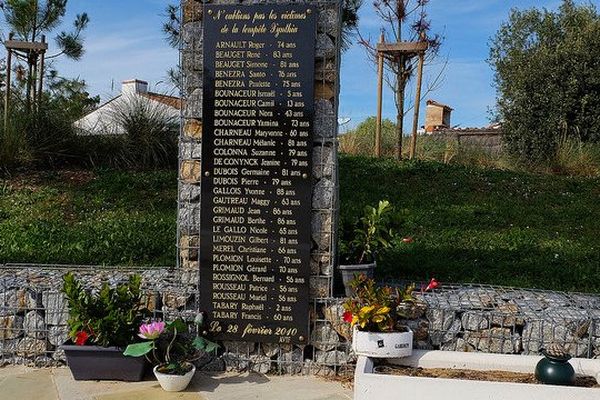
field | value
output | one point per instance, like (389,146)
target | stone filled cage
(481,318)
(34,314)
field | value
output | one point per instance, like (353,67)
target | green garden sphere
(554,368)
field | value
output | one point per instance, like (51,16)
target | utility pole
(379,99)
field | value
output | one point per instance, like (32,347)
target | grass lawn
(469,224)
(482,225)
(99,217)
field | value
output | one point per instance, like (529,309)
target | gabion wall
(33,321)
(34,314)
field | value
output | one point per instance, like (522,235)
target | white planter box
(371,386)
(382,345)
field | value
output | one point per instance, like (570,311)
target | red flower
(408,239)
(81,338)
(348,317)
(433,284)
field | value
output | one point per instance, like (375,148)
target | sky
(124,41)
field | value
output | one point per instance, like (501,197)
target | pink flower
(152,330)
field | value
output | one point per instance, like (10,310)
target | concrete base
(369,385)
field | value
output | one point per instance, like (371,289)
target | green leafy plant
(374,308)
(372,233)
(172,345)
(108,317)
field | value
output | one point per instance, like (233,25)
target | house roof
(170,101)
(435,103)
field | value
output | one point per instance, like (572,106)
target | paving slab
(19,383)
(32,385)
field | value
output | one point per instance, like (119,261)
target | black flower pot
(103,363)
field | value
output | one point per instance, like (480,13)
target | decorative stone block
(324,337)
(190,150)
(192,128)
(324,91)
(190,171)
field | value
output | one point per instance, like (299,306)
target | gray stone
(191,61)
(321,224)
(494,340)
(324,337)
(189,215)
(260,364)
(34,325)
(291,361)
(242,348)
(190,150)
(538,334)
(440,319)
(474,321)
(323,193)
(193,105)
(319,287)
(325,48)
(323,161)
(8,346)
(59,355)
(439,337)
(30,347)
(507,315)
(56,308)
(233,362)
(325,121)
(191,35)
(334,357)
(192,81)
(190,193)
(17,300)
(58,335)
(457,344)
(328,22)
(478,299)
(11,327)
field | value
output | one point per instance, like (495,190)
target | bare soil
(490,376)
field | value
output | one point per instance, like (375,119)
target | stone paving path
(21,383)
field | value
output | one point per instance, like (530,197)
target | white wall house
(105,119)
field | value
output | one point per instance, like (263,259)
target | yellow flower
(382,310)
(366,310)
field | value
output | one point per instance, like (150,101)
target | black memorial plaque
(258,112)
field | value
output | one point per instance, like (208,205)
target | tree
(546,67)
(404,20)
(29,20)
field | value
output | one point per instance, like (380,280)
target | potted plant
(101,324)
(370,235)
(172,348)
(372,313)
